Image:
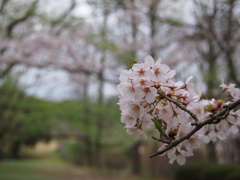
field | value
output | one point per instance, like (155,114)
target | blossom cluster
(149,99)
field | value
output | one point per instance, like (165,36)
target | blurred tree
(23,43)
(78,121)
(217,33)
(147,31)
(24,120)
(94,49)
(9,23)
(102,48)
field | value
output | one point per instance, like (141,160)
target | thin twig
(166,141)
(180,105)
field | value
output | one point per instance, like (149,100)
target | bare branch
(212,120)
(7,70)
(3,4)
(63,16)
(216,39)
(29,13)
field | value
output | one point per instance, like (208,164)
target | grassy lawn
(32,170)
(54,169)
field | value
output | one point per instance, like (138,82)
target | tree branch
(27,15)
(59,21)
(3,4)
(7,70)
(180,105)
(212,120)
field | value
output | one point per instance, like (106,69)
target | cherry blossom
(234,93)
(149,98)
(177,154)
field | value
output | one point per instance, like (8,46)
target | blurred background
(59,66)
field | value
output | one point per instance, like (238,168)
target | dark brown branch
(3,4)
(65,14)
(216,39)
(180,105)
(61,19)
(152,15)
(69,10)
(215,118)
(163,140)
(7,70)
(29,13)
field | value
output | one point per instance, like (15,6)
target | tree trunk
(136,157)
(15,150)
(154,162)
(87,139)
(212,156)
(89,153)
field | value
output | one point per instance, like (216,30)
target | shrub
(203,171)
(235,175)
(189,171)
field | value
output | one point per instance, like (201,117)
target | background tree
(90,51)
(217,34)
(24,120)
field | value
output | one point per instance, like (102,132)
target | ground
(56,169)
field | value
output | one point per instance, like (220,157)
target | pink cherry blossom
(148,91)
(234,92)
(177,154)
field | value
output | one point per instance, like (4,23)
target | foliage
(56,169)
(24,119)
(204,170)
(83,126)
(74,151)
(73,113)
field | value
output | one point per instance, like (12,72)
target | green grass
(32,170)
(55,169)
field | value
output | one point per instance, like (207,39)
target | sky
(55,85)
